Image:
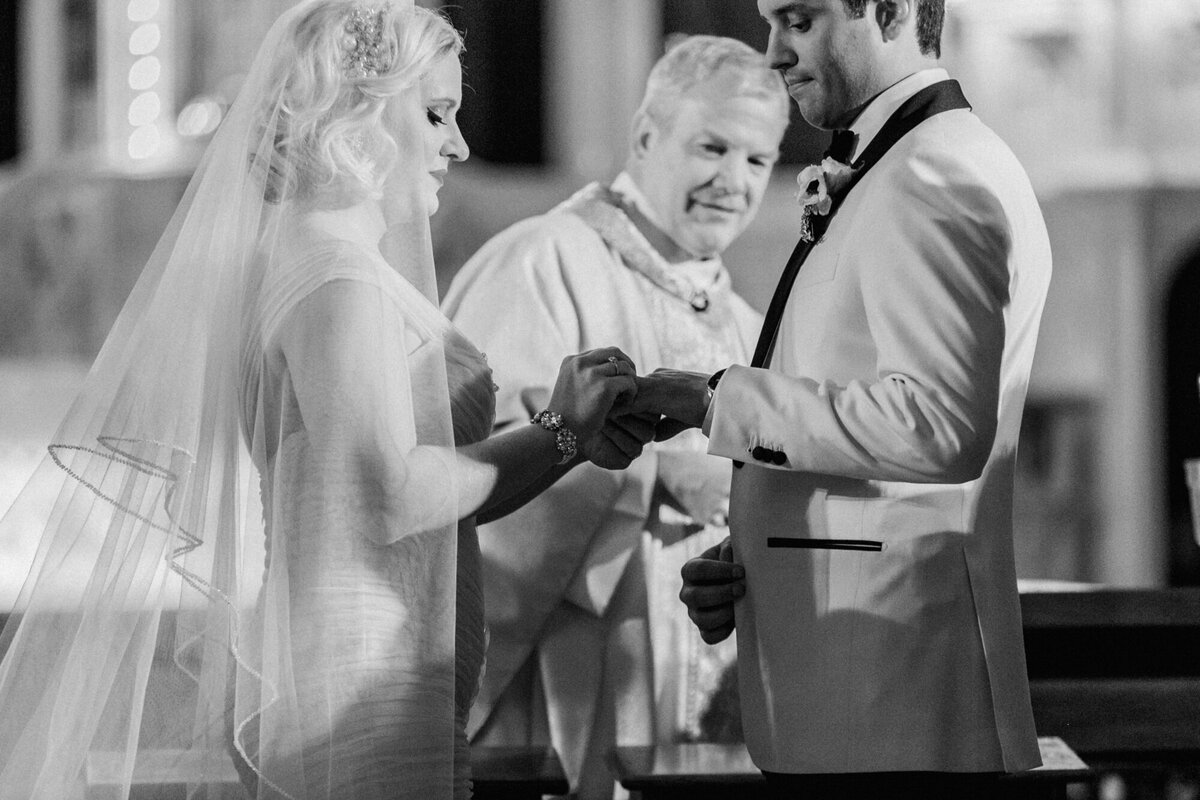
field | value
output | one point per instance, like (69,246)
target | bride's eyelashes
(434,117)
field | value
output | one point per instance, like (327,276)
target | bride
(282,445)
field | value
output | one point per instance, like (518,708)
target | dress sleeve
(363,381)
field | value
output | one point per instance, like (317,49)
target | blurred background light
(144,73)
(200,117)
(144,142)
(142,10)
(145,39)
(144,109)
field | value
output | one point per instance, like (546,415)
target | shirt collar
(880,110)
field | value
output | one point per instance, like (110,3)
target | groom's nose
(779,55)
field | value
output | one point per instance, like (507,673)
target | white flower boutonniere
(819,185)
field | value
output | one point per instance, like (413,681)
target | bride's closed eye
(434,117)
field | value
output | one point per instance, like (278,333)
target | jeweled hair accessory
(364,55)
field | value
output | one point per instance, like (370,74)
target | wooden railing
(720,771)
(500,773)
(1116,673)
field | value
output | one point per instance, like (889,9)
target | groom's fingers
(714,619)
(718,634)
(639,426)
(648,397)
(669,428)
(630,445)
(702,570)
(623,388)
(604,454)
(701,599)
(724,550)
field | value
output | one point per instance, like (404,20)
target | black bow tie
(841,147)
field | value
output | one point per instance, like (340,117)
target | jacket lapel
(932,100)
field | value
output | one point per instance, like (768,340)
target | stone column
(43,80)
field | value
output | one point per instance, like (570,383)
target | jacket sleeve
(933,278)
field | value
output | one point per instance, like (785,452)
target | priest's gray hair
(697,61)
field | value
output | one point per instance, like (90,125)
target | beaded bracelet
(564,437)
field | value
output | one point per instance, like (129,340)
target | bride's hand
(589,385)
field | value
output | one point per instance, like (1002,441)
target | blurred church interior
(105,106)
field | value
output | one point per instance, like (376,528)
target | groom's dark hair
(930,16)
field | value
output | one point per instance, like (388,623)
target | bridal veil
(176,627)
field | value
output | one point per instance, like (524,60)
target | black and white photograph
(599,400)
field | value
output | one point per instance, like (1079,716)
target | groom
(874,435)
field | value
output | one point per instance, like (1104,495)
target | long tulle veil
(172,627)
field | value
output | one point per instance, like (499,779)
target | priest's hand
(711,584)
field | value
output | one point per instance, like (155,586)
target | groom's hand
(711,584)
(678,396)
(620,440)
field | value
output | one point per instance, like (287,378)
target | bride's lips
(439,175)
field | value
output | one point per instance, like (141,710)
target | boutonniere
(819,185)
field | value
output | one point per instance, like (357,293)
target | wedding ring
(616,365)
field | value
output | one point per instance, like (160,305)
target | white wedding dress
(250,554)
(360,610)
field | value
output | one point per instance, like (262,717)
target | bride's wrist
(565,441)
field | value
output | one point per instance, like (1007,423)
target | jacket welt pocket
(825,544)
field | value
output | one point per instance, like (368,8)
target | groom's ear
(892,16)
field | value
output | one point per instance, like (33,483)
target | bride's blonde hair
(326,108)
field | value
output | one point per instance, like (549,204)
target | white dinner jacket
(894,397)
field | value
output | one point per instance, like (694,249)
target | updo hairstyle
(325,112)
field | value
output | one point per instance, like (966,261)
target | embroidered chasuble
(583,582)
(695,330)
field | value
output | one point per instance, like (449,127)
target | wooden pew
(516,773)
(721,771)
(1116,673)
(500,773)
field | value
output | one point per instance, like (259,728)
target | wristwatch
(711,387)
